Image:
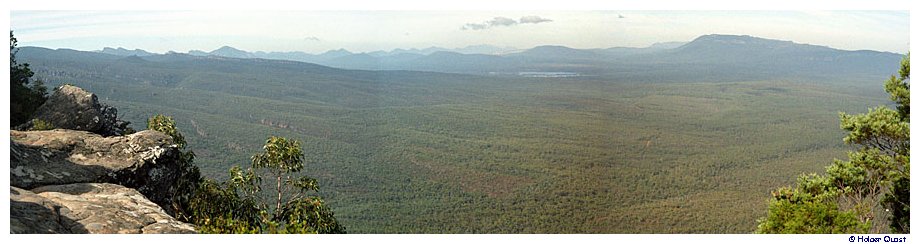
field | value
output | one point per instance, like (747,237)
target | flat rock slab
(97,208)
(146,160)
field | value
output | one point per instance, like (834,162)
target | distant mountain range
(231,52)
(401,57)
(710,54)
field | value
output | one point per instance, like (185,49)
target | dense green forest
(419,152)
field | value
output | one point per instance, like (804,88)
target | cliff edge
(88,177)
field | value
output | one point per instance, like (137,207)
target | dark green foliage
(235,206)
(872,186)
(186,186)
(809,208)
(167,125)
(38,124)
(190,175)
(280,155)
(898,202)
(26,95)
(309,215)
(295,213)
(899,88)
(218,208)
(881,128)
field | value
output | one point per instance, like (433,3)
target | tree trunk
(278,208)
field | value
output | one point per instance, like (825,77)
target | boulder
(97,208)
(147,161)
(71,107)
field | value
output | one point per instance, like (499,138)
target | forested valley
(650,148)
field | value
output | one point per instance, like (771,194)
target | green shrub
(38,124)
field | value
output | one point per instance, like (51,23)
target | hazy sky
(364,31)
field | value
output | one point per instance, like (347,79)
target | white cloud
(504,21)
(533,20)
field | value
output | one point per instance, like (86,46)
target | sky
(366,31)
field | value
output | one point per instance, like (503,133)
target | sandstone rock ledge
(146,161)
(98,208)
(88,176)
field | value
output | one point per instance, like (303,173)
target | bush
(38,124)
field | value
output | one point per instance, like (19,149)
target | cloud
(501,21)
(311,38)
(534,20)
(472,26)
(497,21)
(504,21)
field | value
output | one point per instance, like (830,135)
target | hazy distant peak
(336,53)
(721,39)
(551,47)
(484,49)
(432,48)
(726,37)
(231,52)
(555,50)
(120,51)
(666,45)
(227,48)
(445,53)
(197,53)
(109,49)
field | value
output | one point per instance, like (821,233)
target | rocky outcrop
(88,177)
(71,107)
(146,161)
(98,208)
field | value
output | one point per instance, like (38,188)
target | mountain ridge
(727,53)
(400,58)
